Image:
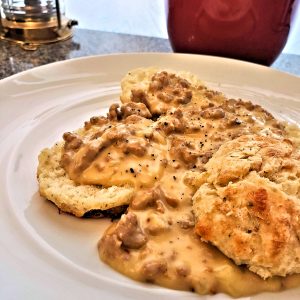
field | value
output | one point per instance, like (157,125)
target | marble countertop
(13,59)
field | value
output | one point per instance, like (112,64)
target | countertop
(85,42)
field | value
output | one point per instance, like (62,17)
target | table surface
(85,42)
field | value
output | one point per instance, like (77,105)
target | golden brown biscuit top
(248,204)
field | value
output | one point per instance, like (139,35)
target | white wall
(293,44)
(143,17)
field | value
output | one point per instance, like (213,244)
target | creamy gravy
(175,257)
(154,241)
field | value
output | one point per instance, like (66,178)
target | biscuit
(161,90)
(248,204)
(56,186)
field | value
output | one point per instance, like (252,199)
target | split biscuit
(248,204)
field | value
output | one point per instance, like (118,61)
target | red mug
(251,30)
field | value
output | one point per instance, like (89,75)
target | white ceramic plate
(47,255)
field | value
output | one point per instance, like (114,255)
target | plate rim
(220,58)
